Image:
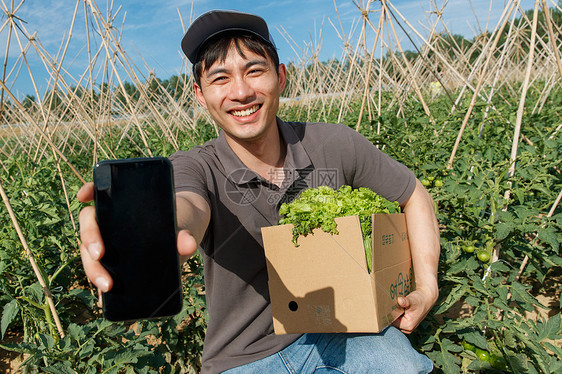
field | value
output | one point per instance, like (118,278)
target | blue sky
(152,29)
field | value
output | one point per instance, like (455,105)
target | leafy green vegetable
(318,207)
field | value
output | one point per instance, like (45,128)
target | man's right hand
(92,248)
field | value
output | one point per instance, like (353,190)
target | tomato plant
(476,218)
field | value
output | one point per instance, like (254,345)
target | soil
(10,361)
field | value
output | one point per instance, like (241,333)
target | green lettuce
(318,207)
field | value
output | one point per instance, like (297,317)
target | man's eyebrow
(255,62)
(217,70)
(220,69)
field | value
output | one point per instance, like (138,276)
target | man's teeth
(246,112)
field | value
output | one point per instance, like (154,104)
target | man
(230,187)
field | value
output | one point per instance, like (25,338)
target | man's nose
(240,89)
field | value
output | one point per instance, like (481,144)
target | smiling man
(230,187)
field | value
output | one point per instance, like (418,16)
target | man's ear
(199,95)
(282,77)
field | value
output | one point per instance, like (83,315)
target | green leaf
(549,236)
(557,350)
(545,191)
(64,367)
(499,266)
(555,364)
(455,295)
(36,291)
(457,267)
(19,347)
(521,294)
(479,286)
(65,344)
(549,330)
(76,332)
(9,313)
(85,296)
(450,346)
(75,205)
(87,350)
(474,338)
(518,363)
(113,330)
(445,359)
(479,365)
(474,301)
(47,341)
(128,357)
(503,230)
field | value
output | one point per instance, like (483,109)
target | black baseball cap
(214,22)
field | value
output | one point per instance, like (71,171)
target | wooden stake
(478,86)
(516,135)
(46,290)
(551,36)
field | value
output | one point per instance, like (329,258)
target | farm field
(479,122)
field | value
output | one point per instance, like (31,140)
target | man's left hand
(416,306)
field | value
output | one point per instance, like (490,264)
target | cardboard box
(323,285)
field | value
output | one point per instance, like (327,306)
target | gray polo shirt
(240,326)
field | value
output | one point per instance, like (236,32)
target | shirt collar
(234,169)
(295,159)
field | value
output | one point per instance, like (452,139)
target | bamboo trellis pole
(370,66)
(478,86)
(499,66)
(106,42)
(31,258)
(53,146)
(390,72)
(517,132)
(352,61)
(555,49)
(523,97)
(6,60)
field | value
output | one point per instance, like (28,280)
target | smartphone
(135,210)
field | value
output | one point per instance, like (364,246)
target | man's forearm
(423,231)
(193,215)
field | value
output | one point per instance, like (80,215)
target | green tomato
(430,178)
(483,256)
(498,362)
(426,182)
(438,183)
(467,346)
(482,355)
(468,248)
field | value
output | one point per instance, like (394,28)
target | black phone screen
(135,209)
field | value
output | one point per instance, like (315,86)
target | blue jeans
(387,352)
